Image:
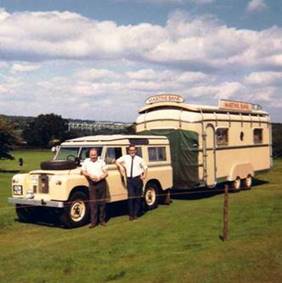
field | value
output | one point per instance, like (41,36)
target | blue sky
(102,59)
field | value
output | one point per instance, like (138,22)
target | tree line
(47,130)
(44,131)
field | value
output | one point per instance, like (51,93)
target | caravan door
(210,156)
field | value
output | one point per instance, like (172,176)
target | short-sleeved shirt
(97,168)
(139,165)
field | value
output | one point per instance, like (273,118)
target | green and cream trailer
(230,142)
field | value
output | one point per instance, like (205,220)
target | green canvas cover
(184,156)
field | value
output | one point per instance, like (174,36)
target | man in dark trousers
(136,172)
(94,169)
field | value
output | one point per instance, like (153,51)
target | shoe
(92,226)
(103,223)
(131,218)
(135,218)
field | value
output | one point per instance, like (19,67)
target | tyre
(236,185)
(151,196)
(26,213)
(58,165)
(76,211)
(248,182)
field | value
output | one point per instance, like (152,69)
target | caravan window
(222,136)
(257,136)
(157,153)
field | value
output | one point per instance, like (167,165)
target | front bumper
(33,202)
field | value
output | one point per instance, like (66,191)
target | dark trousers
(97,198)
(134,187)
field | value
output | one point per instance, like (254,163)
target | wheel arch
(155,182)
(82,189)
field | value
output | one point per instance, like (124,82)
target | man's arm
(120,166)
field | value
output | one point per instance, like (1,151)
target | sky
(100,60)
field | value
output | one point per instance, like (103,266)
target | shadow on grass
(9,171)
(200,193)
(50,218)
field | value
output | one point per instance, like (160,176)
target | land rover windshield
(70,153)
(67,153)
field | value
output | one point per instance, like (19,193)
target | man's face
(132,151)
(93,155)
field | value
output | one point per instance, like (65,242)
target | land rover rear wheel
(248,182)
(151,196)
(76,211)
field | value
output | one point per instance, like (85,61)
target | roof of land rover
(109,138)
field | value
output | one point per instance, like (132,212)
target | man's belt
(134,177)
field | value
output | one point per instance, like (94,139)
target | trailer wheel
(236,185)
(26,213)
(151,196)
(76,211)
(248,182)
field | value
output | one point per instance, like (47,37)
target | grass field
(176,243)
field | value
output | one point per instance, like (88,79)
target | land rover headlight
(17,189)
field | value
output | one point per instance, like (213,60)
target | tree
(44,129)
(8,138)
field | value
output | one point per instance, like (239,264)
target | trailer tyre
(151,196)
(76,211)
(248,182)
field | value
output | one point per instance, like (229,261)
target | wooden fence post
(225,213)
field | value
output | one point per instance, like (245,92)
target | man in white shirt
(94,169)
(136,171)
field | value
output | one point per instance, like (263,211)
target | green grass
(176,243)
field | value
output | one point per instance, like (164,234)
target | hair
(131,145)
(93,149)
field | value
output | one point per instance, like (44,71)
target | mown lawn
(176,243)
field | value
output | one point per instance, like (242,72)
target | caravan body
(209,144)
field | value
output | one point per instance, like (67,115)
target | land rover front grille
(40,183)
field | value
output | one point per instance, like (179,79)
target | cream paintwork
(63,182)
(241,156)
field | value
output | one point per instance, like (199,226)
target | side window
(156,153)
(85,152)
(112,154)
(221,136)
(258,138)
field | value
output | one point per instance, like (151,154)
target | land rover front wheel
(76,211)
(151,196)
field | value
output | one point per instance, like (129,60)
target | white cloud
(173,2)
(196,43)
(3,89)
(256,6)
(264,78)
(96,74)
(103,63)
(24,67)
